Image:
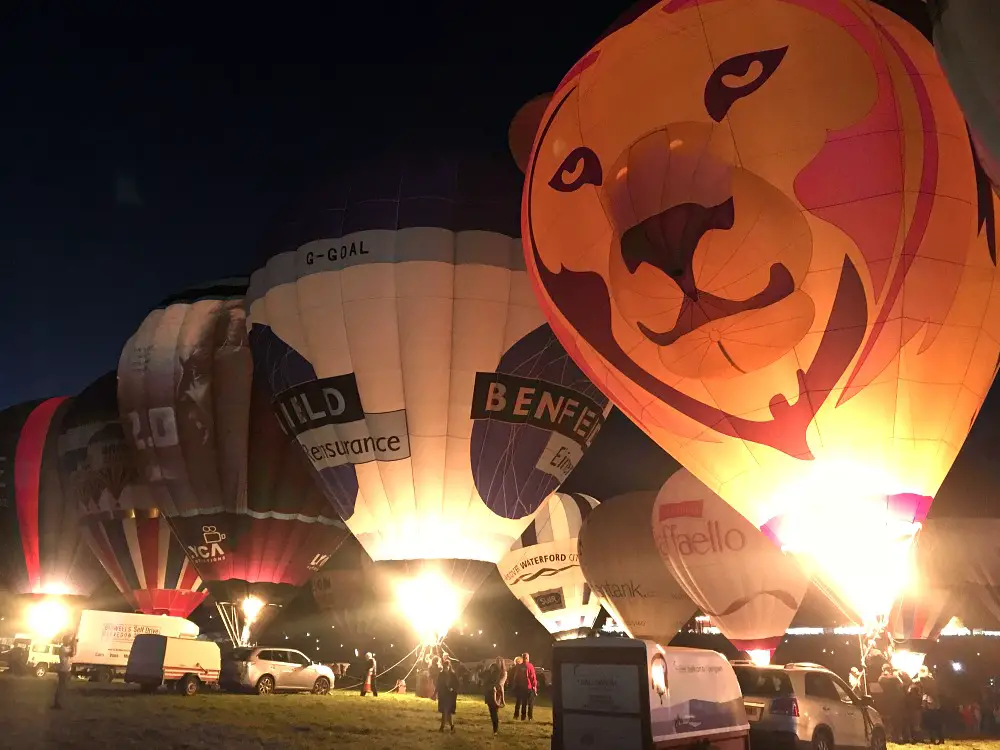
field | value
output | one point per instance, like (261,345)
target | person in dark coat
(932,717)
(433,672)
(65,669)
(912,702)
(892,702)
(493,695)
(447,694)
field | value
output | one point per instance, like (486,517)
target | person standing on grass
(528,691)
(65,668)
(447,694)
(518,681)
(493,695)
(369,683)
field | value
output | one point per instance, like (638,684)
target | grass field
(117,716)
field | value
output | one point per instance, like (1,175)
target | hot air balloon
(408,355)
(965,38)
(543,570)
(344,590)
(619,559)
(237,492)
(42,552)
(724,235)
(120,519)
(736,575)
(929,601)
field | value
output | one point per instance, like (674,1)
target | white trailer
(104,640)
(183,664)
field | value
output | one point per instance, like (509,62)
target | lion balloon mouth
(703,308)
(667,241)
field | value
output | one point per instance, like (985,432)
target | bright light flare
(251,607)
(47,618)
(841,517)
(430,603)
(760,657)
(909,662)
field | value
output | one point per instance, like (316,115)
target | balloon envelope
(41,548)
(619,559)
(934,594)
(120,520)
(736,575)
(400,335)
(965,38)
(724,236)
(345,591)
(543,570)
(236,490)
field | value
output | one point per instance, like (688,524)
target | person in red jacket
(526,688)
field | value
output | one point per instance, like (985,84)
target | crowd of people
(910,706)
(439,677)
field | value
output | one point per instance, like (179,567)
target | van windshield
(763,682)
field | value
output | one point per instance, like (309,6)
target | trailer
(104,640)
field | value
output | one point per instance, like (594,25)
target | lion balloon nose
(667,240)
(666,191)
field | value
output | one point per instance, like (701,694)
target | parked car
(267,670)
(42,657)
(798,706)
(183,664)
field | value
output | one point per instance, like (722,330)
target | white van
(637,695)
(182,664)
(104,639)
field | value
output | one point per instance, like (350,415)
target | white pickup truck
(104,640)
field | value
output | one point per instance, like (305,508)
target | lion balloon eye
(580,167)
(738,77)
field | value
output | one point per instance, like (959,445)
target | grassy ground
(116,716)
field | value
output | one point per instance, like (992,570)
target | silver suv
(806,706)
(267,670)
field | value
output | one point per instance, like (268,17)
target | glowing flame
(852,538)
(430,603)
(251,607)
(908,661)
(761,657)
(47,618)
(658,673)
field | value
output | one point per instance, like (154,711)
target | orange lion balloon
(756,224)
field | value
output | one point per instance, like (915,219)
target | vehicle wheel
(321,686)
(103,674)
(878,740)
(265,685)
(40,670)
(148,687)
(188,685)
(822,740)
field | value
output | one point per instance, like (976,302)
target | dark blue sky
(218,123)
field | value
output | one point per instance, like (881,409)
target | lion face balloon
(756,225)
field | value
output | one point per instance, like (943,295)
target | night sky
(142,153)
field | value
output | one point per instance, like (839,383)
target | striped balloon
(41,549)
(120,521)
(146,562)
(543,570)
(936,594)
